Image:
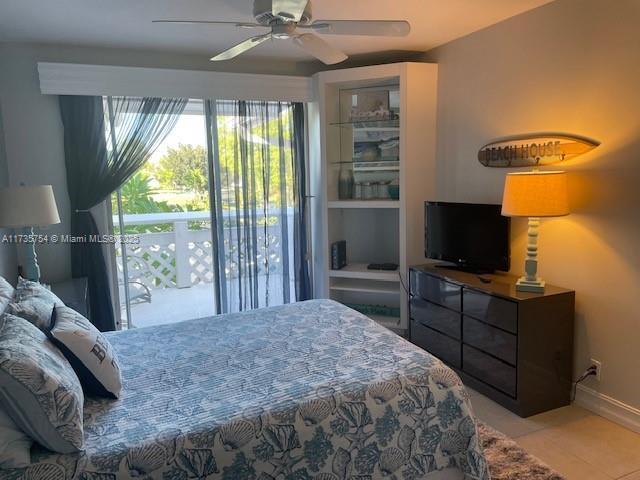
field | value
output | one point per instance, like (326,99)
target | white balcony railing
(182,255)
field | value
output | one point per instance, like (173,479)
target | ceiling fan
(285,18)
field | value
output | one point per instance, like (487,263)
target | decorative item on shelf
(338,255)
(382,191)
(534,194)
(390,149)
(381,310)
(357,190)
(394,190)
(28,207)
(368,153)
(534,150)
(367,191)
(368,105)
(345,182)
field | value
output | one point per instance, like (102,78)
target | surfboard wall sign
(534,150)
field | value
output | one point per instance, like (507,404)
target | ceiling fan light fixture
(285,17)
(283,31)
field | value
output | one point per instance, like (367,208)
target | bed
(312,390)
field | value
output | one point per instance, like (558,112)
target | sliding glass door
(214,219)
(164,211)
(253,196)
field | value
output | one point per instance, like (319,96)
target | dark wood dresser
(514,347)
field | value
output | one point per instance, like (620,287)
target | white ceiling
(127,23)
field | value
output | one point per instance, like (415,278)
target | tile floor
(575,442)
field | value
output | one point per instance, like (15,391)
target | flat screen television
(476,237)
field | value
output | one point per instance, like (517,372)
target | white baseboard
(608,407)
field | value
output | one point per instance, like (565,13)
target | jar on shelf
(345,183)
(367,191)
(375,186)
(357,191)
(383,190)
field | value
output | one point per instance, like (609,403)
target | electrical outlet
(598,365)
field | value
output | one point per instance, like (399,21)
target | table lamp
(534,194)
(28,207)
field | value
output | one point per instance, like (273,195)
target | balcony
(170,271)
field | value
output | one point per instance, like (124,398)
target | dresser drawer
(489,339)
(491,371)
(496,311)
(436,317)
(437,291)
(437,344)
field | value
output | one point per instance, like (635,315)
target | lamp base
(30,269)
(535,286)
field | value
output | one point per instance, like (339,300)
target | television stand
(514,347)
(466,268)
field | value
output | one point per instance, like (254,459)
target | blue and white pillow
(33,302)
(6,294)
(15,445)
(35,310)
(38,388)
(88,351)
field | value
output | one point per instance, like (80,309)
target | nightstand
(75,294)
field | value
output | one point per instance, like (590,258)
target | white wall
(33,138)
(570,66)
(33,133)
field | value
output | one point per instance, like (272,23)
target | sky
(189,130)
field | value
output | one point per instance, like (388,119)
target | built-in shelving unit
(376,131)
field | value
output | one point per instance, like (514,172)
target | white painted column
(183,269)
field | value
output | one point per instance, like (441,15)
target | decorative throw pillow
(35,310)
(88,351)
(15,445)
(34,302)
(27,289)
(6,294)
(38,388)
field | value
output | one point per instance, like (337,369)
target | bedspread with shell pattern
(312,390)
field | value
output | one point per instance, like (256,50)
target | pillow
(38,388)
(34,302)
(27,289)
(15,445)
(88,351)
(35,310)
(6,294)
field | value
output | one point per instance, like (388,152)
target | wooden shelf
(364,204)
(359,270)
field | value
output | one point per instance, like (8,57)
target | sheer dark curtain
(301,260)
(256,155)
(136,127)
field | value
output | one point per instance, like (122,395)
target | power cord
(592,370)
(404,287)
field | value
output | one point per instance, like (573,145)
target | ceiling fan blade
(319,48)
(388,28)
(241,47)
(289,9)
(211,22)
